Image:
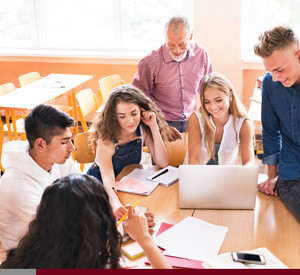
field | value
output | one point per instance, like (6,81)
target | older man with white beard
(172,75)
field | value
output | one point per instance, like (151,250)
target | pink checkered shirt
(170,84)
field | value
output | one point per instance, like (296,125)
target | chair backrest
(106,84)
(177,150)
(82,153)
(1,142)
(87,103)
(6,88)
(28,78)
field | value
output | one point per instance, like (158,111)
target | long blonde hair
(236,108)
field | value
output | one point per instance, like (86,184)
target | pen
(126,214)
(118,195)
(161,173)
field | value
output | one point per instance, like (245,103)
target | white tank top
(229,148)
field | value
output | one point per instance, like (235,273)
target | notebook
(136,183)
(144,181)
(217,186)
(165,176)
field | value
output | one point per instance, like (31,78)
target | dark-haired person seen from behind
(280,53)
(75,228)
(31,166)
(171,75)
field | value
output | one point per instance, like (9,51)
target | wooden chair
(28,78)
(83,153)
(87,103)
(106,84)
(1,143)
(5,89)
(6,128)
(34,76)
(177,150)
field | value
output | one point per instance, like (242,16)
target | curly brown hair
(106,126)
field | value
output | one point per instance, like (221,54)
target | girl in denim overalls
(129,119)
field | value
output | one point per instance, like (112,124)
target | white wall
(217,27)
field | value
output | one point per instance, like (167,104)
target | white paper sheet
(262,178)
(193,238)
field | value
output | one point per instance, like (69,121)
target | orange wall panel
(11,70)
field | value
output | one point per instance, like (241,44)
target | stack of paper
(136,182)
(133,250)
(176,261)
(143,182)
(192,239)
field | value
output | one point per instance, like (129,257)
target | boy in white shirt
(30,166)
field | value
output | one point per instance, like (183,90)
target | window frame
(38,47)
(247,20)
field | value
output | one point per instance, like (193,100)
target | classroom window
(261,15)
(86,25)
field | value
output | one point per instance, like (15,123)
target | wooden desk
(44,90)
(162,202)
(269,225)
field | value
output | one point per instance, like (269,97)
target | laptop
(217,186)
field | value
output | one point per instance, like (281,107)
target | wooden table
(44,90)
(162,202)
(269,225)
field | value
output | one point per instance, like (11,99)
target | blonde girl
(220,128)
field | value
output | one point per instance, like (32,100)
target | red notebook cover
(175,261)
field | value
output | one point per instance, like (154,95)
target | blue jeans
(130,153)
(181,126)
(289,192)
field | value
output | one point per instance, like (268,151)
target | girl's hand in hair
(148,117)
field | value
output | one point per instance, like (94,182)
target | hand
(173,134)
(259,82)
(136,225)
(148,117)
(150,221)
(119,211)
(268,187)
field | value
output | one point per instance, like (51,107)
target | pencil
(126,214)
(118,196)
